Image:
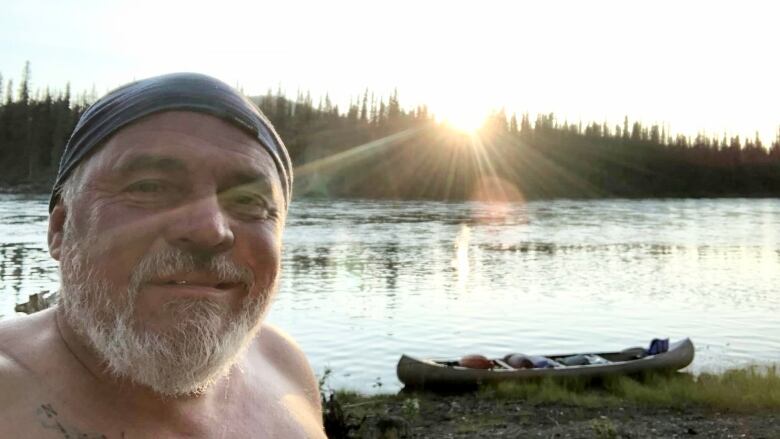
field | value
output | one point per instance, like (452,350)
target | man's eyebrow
(149,162)
(249,178)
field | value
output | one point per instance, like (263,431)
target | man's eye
(249,204)
(147,187)
(246,200)
(242,198)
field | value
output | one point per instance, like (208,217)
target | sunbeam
(352,155)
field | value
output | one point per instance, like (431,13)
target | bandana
(176,91)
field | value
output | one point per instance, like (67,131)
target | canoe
(416,373)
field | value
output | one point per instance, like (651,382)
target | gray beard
(201,344)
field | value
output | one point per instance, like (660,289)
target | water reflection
(303,262)
(365,281)
(741,253)
(390,273)
(24,269)
(461,261)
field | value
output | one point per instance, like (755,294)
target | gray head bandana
(177,91)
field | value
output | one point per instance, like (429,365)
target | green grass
(571,391)
(353,397)
(742,390)
(604,428)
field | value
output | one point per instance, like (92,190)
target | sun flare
(463,120)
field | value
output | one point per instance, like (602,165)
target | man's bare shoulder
(12,377)
(24,334)
(22,337)
(19,383)
(273,339)
(16,386)
(280,350)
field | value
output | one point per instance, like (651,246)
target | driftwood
(38,302)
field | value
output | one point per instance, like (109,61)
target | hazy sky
(695,65)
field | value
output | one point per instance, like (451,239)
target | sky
(695,66)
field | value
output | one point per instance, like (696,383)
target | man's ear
(56,229)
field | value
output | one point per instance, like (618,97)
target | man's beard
(204,338)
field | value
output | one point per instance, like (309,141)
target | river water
(364,281)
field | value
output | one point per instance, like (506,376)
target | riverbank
(738,403)
(44,186)
(28,188)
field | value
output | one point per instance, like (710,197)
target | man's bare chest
(43,417)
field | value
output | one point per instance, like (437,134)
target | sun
(464,120)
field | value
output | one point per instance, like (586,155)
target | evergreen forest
(376,148)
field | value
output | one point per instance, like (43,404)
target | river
(364,281)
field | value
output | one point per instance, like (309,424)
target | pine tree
(381,113)
(9,93)
(500,121)
(364,107)
(352,113)
(393,108)
(281,109)
(63,125)
(655,134)
(625,128)
(663,134)
(757,142)
(774,151)
(24,87)
(525,125)
(636,131)
(372,116)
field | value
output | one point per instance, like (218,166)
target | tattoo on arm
(48,418)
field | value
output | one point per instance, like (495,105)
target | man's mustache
(171,261)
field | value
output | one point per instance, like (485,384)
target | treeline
(375,148)
(34,126)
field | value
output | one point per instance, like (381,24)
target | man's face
(170,251)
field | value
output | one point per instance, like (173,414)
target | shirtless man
(166,220)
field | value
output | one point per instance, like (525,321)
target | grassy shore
(739,390)
(736,403)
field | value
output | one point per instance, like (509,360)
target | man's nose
(201,226)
